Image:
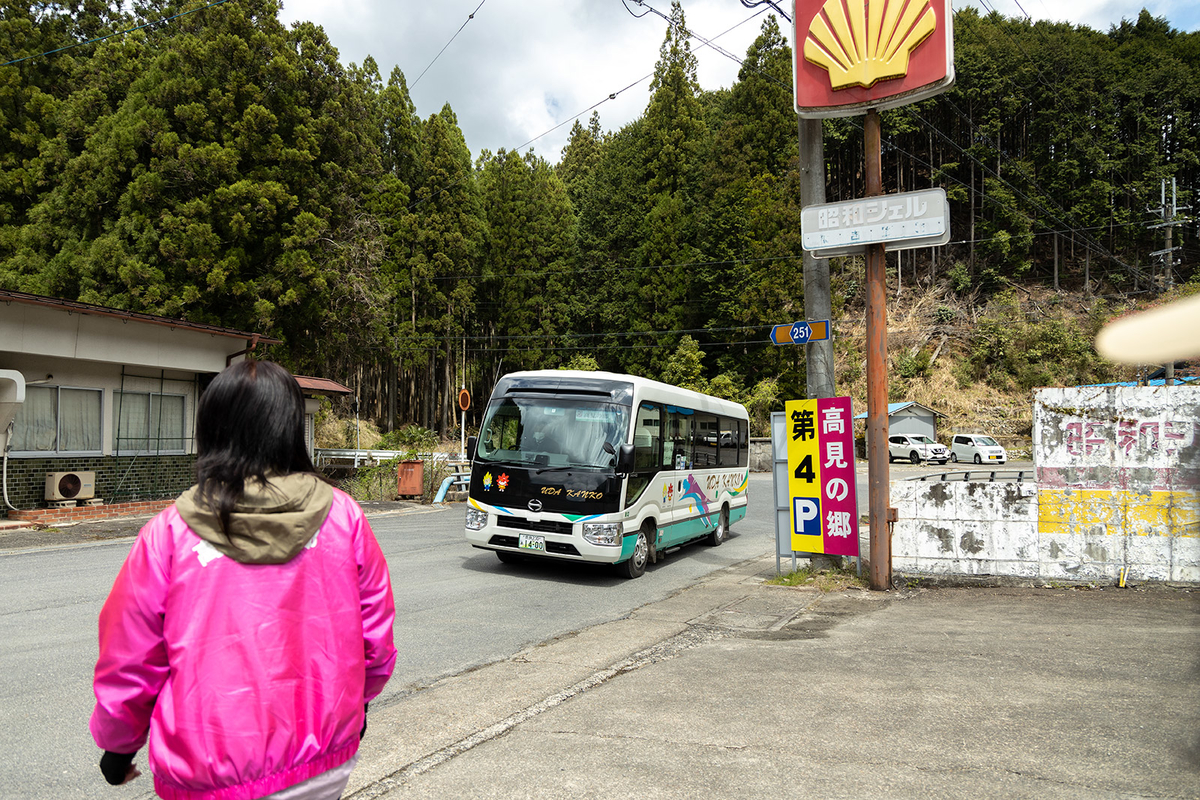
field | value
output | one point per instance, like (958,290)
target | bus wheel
(636,565)
(716,537)
(508,558)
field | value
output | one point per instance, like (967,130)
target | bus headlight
(602,533)
(476,519)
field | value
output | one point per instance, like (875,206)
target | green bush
(960,277)
(413,438)
(913,366)
(1008,349)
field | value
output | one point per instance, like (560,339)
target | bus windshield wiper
(503,462)
(562,467)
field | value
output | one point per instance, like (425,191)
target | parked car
(916,448)
(977,448)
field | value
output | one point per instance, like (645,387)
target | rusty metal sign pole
(879,494)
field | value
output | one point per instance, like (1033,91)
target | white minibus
(601,467)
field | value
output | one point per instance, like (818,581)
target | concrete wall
(761,458)
(1118,471)
(966,529)
(1118,487)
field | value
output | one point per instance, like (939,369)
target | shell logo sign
(862,54)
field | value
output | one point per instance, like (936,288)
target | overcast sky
(520,68)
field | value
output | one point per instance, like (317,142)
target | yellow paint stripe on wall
(1077,511)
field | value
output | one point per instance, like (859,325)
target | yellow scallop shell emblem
(861,42)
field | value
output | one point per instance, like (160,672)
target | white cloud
(521,67)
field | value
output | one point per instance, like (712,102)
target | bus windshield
(544,432)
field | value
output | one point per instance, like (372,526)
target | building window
(148,423)
(58,420)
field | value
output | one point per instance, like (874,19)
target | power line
(1090,241)
(611,96)
(568,271)
(771,3)
(116,33)
(693,35)
(470,17)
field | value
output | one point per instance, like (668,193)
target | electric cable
(470,17)
(612,96)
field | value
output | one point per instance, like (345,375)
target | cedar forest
(221,168)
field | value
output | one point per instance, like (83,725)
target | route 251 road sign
(800,332)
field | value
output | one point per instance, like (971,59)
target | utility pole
(818,303)
(878,490)
(1170,218)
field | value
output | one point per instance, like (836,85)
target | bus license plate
(530,542)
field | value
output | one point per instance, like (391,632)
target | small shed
(312,389)
(911,418)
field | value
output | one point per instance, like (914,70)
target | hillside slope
(979,362)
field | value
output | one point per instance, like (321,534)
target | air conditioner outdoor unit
(70,485)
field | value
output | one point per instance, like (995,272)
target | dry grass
(825,581)
(337,433)
(936,321)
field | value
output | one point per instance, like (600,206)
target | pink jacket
(246,678)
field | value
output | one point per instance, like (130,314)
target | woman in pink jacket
(252,621)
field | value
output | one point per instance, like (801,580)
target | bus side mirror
(472,442)
(625,460)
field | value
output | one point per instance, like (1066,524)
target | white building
(108,391)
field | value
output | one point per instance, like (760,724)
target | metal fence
(979,476)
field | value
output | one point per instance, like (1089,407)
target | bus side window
(727,441)
(647,439)
(743,443)
(677,440)
(705,441)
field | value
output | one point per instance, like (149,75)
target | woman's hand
(118,768)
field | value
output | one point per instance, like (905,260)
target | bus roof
(643,389)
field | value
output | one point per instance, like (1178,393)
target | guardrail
(982,476)
(323,457)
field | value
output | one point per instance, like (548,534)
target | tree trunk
(1056,261)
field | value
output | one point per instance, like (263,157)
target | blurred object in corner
(1156,336)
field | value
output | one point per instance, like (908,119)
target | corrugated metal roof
(76,307)
(320,385)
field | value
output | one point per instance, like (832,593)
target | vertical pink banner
(839,497)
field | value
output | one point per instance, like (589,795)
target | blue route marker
(801,332)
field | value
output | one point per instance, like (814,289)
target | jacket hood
(270,524)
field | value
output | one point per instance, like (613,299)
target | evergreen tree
(221,185)
(445,260)
(580,156)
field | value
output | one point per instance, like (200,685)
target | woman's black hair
(249,423)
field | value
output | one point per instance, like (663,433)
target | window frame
(680,431)
(118,450)
(56,453)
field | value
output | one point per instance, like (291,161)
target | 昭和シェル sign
(821,485)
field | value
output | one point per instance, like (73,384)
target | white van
(977,448)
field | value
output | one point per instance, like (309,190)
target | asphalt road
(457,608)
